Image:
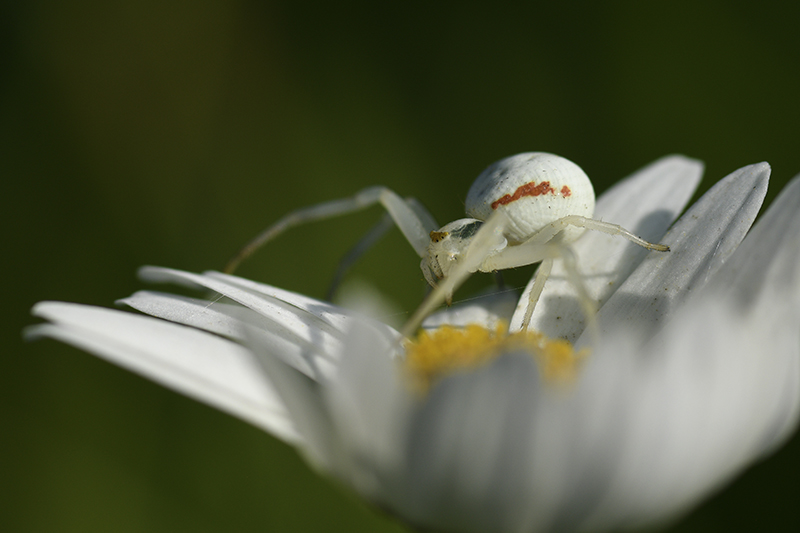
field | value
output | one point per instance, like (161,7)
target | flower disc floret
(435,354)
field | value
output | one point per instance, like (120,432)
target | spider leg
(499,281)
(413,220)
(551,230)
(532,251)
(371,237)
(588,306)
(354,254)
(542,273)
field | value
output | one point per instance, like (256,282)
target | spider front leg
(485,243)
(413,220)
(552,229)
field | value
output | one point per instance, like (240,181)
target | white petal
(229,321)
(268,300)
(207,368)
(719,386)
(468,446)
(701,241)
(338,317)
(767,259)
(695,409)
(498,450)
(300,319)
(218,317)
(302,398)
(368,404)
(645,203)
(763,277)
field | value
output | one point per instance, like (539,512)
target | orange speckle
(529,189)
(565,191)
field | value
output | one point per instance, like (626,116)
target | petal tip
(40,309)
(684,161)
(33,333)
(763,168)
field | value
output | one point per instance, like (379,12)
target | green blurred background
(170,132)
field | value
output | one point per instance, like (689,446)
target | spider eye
(437,236)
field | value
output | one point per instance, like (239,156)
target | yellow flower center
(436,354)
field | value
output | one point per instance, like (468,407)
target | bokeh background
(170,132)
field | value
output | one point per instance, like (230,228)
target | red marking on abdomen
(529,189)
(565,191)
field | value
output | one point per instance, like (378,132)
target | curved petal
(205,367)
(768,259)
(368,405)
(467,444)
(707,392)
(719,385)
(701,241)
(295,314)
(229,321)
(337,317)
(303,400)
(763,277)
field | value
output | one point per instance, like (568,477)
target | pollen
(433,355)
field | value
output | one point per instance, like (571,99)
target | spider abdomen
(533,189)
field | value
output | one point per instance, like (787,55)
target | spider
(523,209)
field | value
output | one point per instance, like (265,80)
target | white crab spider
(524,209)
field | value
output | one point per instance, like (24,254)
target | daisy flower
(478,426)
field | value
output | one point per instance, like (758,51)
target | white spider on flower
(524,209)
